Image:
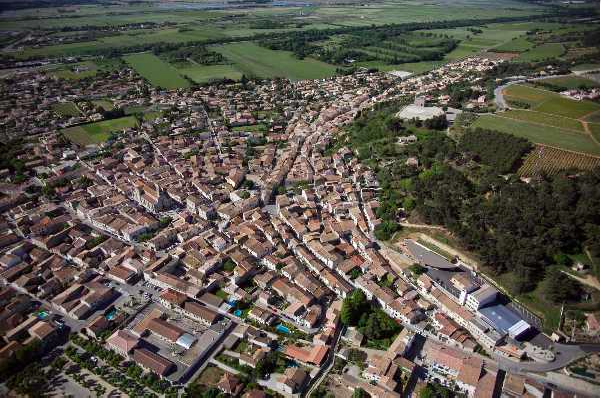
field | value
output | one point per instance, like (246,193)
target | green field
(527,94)
(207,73)
(571,82)
(566,107)
(87,69)
(158,72)
(544,118)
(537,133)
(66,109)
(98,132)
(517,45)
(253,60)
(582,67)
(542,52)
(104,104)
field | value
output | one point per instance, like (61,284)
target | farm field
(550,102)
(69,72)
(158,72)
(207,73)
(542,52)
(527,94)
(544,118)
(66,109)
(253,60)
(571,82)
(519,44)
(540,134)
(567,107)
(98,132)
(549,160)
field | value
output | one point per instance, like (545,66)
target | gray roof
(500,317)
(428,257)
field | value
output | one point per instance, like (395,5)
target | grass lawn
(253,127)
(254,60)
(152,115)
(65,109)
(544,118)
(98,132)
(571,82)
(207,73)
(585,67)
(87,69)
(210,376)
(536,133)
(104,104)
(157,71)
(542,52)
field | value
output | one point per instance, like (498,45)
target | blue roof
(500,317)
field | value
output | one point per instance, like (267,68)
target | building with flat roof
(427,257)
(504,320)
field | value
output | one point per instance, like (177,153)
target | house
(292,380)
(123,342)
(152,362)
(230,384)
(201,313)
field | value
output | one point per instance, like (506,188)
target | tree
(560,288)
(360,393)
(353,307)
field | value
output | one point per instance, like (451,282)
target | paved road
(500,101)
(323,372)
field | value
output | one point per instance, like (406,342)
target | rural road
(500,101)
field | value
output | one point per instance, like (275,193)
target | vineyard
(550,160)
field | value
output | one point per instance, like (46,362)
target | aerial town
(194,247)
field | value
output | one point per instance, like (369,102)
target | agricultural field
(66,109)
(527,94)
(549,160)
(98,132)
(76,71)
(253,60)
(568,107)
(158,72)
(540,134)
(543,52)
(519,44)
(571,82)
(207,73)
(544,119)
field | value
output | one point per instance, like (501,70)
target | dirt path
(586,126)
(588,280)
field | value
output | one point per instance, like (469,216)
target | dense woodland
(512,225)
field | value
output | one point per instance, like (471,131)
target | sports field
(98,132)
(158,72)
(537,133)
(253,60)
(207,73)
